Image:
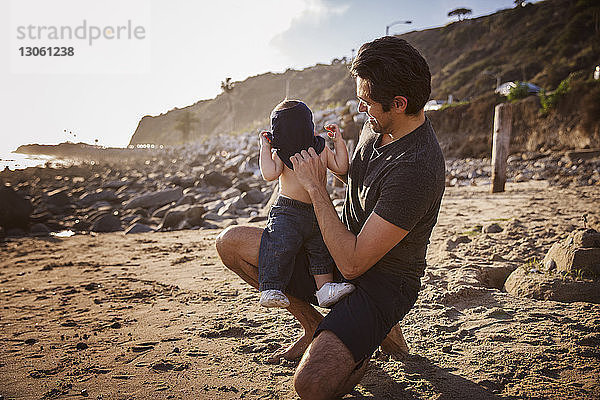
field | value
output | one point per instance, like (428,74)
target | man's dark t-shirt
(402,182)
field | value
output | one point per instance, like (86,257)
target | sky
(182,51)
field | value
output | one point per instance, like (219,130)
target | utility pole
(387,27)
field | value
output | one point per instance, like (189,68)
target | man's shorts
(364,318)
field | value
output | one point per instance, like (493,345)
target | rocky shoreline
(206,185)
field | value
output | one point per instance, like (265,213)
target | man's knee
(307,385)
(324,369)
(237,242)
(225,241)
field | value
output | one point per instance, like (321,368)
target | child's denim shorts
(291,227)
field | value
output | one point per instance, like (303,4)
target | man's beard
(375,126)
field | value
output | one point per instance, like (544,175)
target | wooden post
(500,145)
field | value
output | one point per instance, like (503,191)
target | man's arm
(353,254)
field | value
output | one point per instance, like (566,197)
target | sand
(157,315)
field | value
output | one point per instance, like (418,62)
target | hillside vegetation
(542,43)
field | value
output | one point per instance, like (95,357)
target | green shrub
(550,100)
(518,92)
(455,104)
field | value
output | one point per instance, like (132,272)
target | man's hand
(309,169)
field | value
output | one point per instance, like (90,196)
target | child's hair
(285,104)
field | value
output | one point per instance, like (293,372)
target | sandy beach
(114,316)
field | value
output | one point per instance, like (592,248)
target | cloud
(312,34)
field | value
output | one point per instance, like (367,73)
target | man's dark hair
(392,68)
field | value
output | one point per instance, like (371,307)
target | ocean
(15,161)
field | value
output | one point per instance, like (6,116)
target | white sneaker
(332,292)
(273,298)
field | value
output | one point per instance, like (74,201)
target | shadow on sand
(443,384)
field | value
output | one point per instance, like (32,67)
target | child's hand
(333,131)
(264,139)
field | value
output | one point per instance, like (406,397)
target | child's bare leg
(322,279)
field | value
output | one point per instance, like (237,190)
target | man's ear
(400,103)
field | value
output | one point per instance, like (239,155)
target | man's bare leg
(238,248)
(327,369)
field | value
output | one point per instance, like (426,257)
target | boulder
(186,199)
(541,285)
(194,215)
(58,198)
(491,228)
(217,179)
(227,209)
(175,216)
(214,205)
(107,223)
(14,208)
(160,212)
(155,199)
(229,193)
(578,254)
(39,229)
(253,196)
(87,199)
(237,202)
(138,228)
(117,183)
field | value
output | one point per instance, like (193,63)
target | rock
(253,196)
(237,202)
(214,205)
(88,199)
(81,346)
(227,209)
(230,193)
(212,216)
(194,215)
(160,213)
(550,286)
(586,154)
(107,223)
(155,199)
(40,217)
(584,238)
(454,241)
(175,216)
(217,179)
(14,208)
(117,184)
(257,218)
(186,199)
(491,228)
(579,253)
(15,232)
(138,228)
(39,229)
(80,225)
(58,198)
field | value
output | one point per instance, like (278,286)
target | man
(395,187)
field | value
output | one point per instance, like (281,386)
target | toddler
(292,223)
